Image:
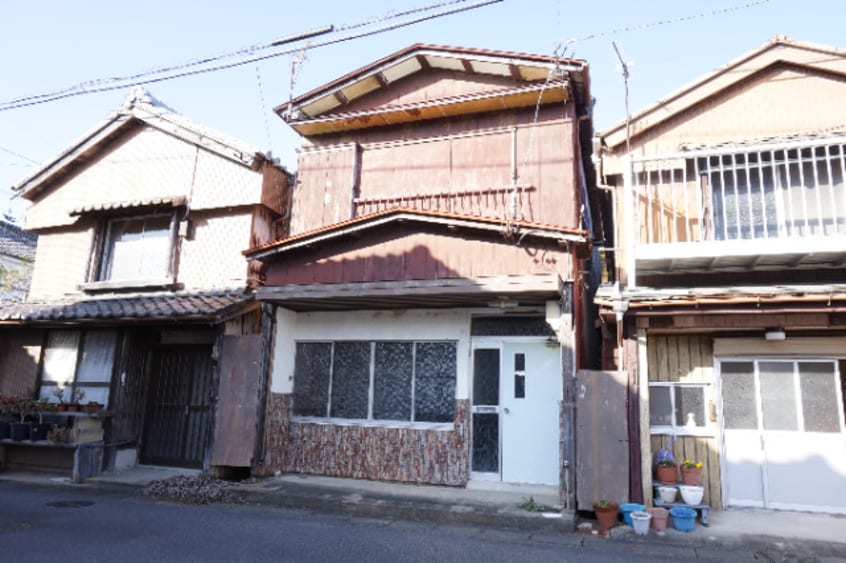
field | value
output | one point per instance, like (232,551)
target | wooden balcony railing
(515,202)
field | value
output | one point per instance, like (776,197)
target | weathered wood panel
(325,188)
(602,441)
(395,255)
(236,412)
(366,452)
(698,448)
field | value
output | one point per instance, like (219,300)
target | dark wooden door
(179,407)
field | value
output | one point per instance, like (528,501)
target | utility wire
(186,69)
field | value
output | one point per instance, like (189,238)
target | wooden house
(140,298)
(731,239)
(430,299)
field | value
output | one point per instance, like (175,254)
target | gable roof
(450,221)
(779,50)
(139,108)
(16,242)
(321,109)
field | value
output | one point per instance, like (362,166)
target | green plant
(687,464)
(602,503)
(59,393)
(77,395)
(532,506)
(666,463)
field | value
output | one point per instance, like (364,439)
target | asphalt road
(58,523)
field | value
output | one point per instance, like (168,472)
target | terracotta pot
(659,518)
(606,516)
(691,476)
(666,474)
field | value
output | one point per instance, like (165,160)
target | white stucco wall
(370,325)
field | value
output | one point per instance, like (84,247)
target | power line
(186,69)
(18,155)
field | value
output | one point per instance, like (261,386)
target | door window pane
(350,380)
(434,381)
(778,396)
(60,358)
(739,403)
(486,377)
(485,442)
(818,383)
(392,373)
(311,378)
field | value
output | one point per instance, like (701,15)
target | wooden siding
(450,156)
(683,358)
(394,255)
(439,457)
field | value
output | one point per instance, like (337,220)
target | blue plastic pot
(627,510)
(683,518)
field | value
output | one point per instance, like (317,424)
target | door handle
(505,410)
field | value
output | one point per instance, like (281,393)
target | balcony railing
(768,191)
(515,202)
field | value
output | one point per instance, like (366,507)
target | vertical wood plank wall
(688,358)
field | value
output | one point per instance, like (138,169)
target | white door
(516,393)
(784,438)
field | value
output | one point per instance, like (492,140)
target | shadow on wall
(20,355)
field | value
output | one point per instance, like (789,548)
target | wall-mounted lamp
(775,333)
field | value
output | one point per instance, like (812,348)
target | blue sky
(52,45)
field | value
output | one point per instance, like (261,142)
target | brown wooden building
(431,298)
(730,231)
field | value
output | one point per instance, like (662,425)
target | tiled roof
(836,135)
(175,201)
(17,242)
(212,306)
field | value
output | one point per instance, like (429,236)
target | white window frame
(69,379)
(370,421)
(104,271)
(683,430)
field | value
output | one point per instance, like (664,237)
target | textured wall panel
(213,258)
(61,263)
(364,452)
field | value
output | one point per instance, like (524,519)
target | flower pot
(5,429)
(692,495)
(683,518)
(666,474)
(667,494)
(20,431)
(39,431)
(640,522)
(692,475)
(659,517)
(627,510)
(606,516)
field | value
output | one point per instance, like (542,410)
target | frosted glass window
(60,357)
(312,366)
(434,381)
(660,406)
(818,383)
(485,457)
(138,248)
(98,354)
(350,379)
(486,377)
(393,372)
(690,406)
(739,404)
(778,396)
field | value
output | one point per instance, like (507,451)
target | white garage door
(784,437)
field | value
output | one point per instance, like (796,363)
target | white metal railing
(743,192)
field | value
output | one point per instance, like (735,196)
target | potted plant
(92,407)
(7,411)
(39,430)
(691,472)
(59,393)
(76,397)
(665,471)
(606,512)
(21,428)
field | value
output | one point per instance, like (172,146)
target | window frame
(107,252)
(371,391)
(71,384)
(676,429)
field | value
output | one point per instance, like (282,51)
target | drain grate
(70,503)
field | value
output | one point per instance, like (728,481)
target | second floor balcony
(765,206)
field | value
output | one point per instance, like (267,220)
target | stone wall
(366,452)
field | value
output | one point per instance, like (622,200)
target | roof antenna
(626,86)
